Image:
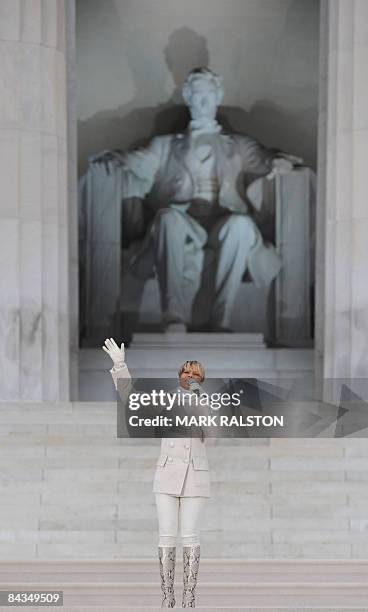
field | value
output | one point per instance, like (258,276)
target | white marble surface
(73,264)
(342,294)
(34,285)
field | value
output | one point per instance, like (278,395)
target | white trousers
(178,511)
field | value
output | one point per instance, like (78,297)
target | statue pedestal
(195,341)
(223,356)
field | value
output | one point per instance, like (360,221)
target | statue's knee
(166,215)
(247,223)
(239,226)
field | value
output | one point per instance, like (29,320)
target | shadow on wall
(130,126)
(133,125)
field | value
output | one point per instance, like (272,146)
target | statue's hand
(283,164)
(115,353)
(107,156)
(294,159)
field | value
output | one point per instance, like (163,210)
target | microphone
(194,386)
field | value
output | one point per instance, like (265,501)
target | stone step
(213,571)
(223,356)
(224,582)
(69,489)
(212,608)
(221,595)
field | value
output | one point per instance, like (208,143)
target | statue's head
(202,92)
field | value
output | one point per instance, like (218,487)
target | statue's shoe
(218,329)
(203,328)
(208,328)
(175,327)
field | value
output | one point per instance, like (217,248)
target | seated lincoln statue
(194,187)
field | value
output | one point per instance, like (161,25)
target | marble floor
(223,355)
(224,584)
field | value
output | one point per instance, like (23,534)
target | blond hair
(195,366)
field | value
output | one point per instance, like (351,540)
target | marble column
(342,217)
(36,268)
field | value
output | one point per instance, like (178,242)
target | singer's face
(186,375)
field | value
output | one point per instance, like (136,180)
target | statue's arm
(262,160)
(138,169)
(256,158)
(145,162)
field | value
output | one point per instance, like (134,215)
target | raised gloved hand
(117,354)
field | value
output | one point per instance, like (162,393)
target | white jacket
(182,467)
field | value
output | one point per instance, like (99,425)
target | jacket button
(171,443)
(185,460)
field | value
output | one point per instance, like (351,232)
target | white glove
(117,354)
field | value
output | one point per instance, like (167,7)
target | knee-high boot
(167,555)
(191,555)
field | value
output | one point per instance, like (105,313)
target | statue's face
(203,100)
